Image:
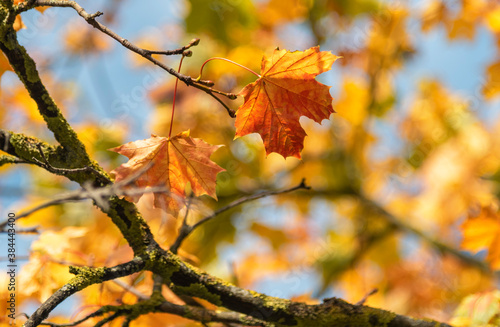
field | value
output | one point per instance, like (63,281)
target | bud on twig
(194,42)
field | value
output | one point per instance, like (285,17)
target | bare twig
(194,313)
(147,54)
(63,171)
(185,228)
(230,111)
(363,300)
(99,195)
(29,230)
(188,229)
(108,319)
(131,289)
(97,313)
(179,51)
(18,258)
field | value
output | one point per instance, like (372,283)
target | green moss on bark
(86,276)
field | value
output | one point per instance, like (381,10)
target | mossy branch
(84,277)
(25,68)
(7,159)
(27,149)
(183,278)
(159,305)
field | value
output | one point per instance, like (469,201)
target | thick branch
(84,277)
(25,68)
(28,149)
(183,278)
(124,214)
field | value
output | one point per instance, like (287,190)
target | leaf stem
(173,100)
(234,63)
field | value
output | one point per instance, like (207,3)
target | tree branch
(151,305)
(30,150)
(99,195)
(25,68)
(7,159)
(187,229)
(147,54)
(123,213)
(400,224)
(84,277)
(438,245)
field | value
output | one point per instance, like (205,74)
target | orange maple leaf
(285,91)
(176,161)
(483,232)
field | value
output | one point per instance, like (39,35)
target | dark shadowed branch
(401,225)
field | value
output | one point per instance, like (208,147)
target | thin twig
(18,258)
(188,229)
(179,51)
(130,289)
(147,54)
(185,228)
(440,246)
(97,313)
(230,111)
(64,171)
(29,230)
(99,195)
(363,300)
(108,319)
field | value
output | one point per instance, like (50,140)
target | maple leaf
(483,232)
(285,91)
(176,161)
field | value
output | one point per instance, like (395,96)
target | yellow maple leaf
(492,86)
(493,20)
(483,232)
(57,243)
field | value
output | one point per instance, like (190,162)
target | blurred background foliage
(408,164)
